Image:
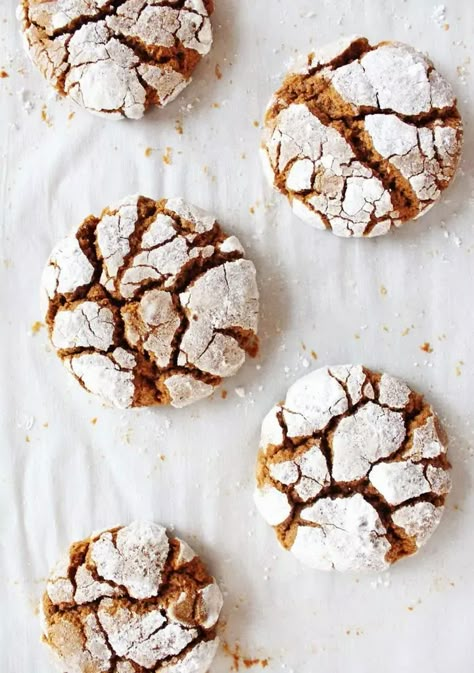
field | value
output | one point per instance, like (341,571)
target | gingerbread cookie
(131,599)
(117,58)
(352,470)
(361,139)
(151,303)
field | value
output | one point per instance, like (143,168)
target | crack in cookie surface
(131,600)
(352,471)
(117,57)
(152,303)
(362,139)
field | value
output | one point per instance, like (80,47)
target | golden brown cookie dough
(151,303)
(362,138)
(352,471)
(131,600)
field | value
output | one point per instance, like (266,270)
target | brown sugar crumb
(239,660)
(216,105)
(168,156)
(224,394)
(406,331)
(458,369)
(45,117)
(314,355)
(426,347)
(71,115)
(252,210)
(179,127)
(27,439)
(4,74)
(149,151)
(383,290)
(36,327)
(46,425)
(94,421)
(218,71)
(256,124)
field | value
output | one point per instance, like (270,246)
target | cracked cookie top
(131,600)
(352,470)
(151,303)
(361,139)
(117,57)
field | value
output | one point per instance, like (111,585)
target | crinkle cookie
(117,57)
(352,470)
(151,303)
(131,600)
(361,139)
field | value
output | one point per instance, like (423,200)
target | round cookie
(352,471)
(151,303)
(361,139)
(131,599)
(117,58)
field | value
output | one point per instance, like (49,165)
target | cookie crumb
(314,355)
(94,421)
(36,327)
(458,369)
(238,659)
(71,115)
(168,156)
(383,291)
(4,74)
(426,347)
(45,117)
(218,71)
(149,151)
(256,124)
(224,394)
(179,127)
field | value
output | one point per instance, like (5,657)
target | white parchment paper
(69,466)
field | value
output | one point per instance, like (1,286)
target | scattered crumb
(406,331)
(216,105)
(46,425)
(149,151)
(36,327)
(45,117)
(93,421)
(256,124)
(224,394)
(410,608)
(71,115)
(314,355)
(4,74)
(218,71)
(458,369)
(426,347)
(162,457)
(179,127)
(357,336)
(252,210)
(168,156)
(239,659)
(27,439)
(383,290)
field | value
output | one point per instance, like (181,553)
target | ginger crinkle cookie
(131,600)
(361,139)
(117,57)
(151,303)
(352,470)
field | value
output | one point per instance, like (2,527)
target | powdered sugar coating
(158,307)
(364,141)
(345,462)
(139,599)
(117,59)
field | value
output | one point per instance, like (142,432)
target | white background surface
(72,476)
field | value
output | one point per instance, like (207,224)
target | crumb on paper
(179,127)
(4,74)
(406,331)
(45,117)
(93,421)
(216,105)
(46,425)
(71,115)
(224,394)
(240,661)
(426,347)
(27,439)
(458,368)
(252,210)
(149,151)
(314,355)
(168,156)
(218,71)
(256,124)
(357,336)
(383,290)
(36,327)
